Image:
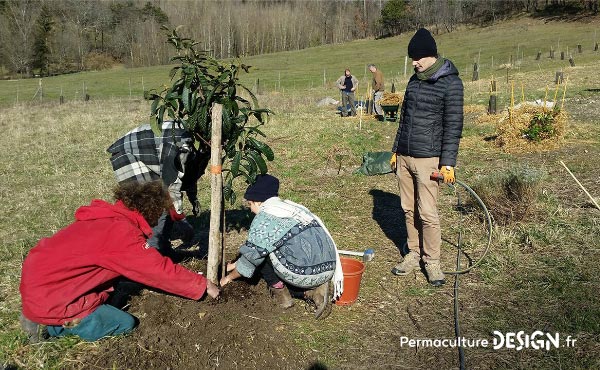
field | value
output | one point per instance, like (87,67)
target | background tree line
(44,37)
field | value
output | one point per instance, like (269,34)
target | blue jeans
(104,321)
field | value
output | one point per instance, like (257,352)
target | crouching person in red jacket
(66,278)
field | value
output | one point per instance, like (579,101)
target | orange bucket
(353,270)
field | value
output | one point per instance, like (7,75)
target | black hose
(458,271)
(488,219)
(461,350)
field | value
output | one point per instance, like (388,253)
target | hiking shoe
(35,332)
(282,296)
(320,296)
(434,273)
(408,264)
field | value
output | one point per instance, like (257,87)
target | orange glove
(393,161)
(448,173)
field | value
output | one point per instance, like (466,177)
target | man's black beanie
(422,45)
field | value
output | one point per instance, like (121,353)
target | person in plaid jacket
(142,156)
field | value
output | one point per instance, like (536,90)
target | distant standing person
(347,85)
(378,88)
(427,140)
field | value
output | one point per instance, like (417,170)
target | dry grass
(511,196)
(474,108)
(538,276)
(361,212)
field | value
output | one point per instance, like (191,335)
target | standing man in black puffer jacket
(427,140)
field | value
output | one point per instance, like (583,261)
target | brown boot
(282,296)
(320,296)
(408,264)
(434,273)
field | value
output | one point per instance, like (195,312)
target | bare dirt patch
(243,329)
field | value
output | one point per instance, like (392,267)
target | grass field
(492,47)
(539,275)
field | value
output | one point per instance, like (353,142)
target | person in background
(378,88)
(142,156)
(67,279)
(427,140)
(290,247)
(347,85)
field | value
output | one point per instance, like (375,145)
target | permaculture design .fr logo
(537,340)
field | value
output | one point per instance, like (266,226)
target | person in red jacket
(67,278)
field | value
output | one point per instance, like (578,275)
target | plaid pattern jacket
(141,156)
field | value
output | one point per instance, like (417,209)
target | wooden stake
(562,104)
(578,183)
(522,93)
(216,197)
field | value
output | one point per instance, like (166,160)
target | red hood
(99,209)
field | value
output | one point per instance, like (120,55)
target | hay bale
(391,98)
(514,128)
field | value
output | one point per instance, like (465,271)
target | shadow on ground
(388,214)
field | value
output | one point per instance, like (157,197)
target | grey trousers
(348,99)
(161,233)
(376,98)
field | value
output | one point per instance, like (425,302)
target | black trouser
(268,273)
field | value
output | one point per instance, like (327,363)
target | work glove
(176,216)
(448,173)
(393,161)
(195,207)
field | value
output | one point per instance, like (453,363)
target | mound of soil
(240,330)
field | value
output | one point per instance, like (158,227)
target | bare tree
(17,25)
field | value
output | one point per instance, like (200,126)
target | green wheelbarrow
(390,112)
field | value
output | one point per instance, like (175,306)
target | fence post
(492,103)
(215,239)
(558,78)
(571,61)
(475,72)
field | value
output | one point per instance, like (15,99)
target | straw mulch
(511,124)
(391,98)
(474,108)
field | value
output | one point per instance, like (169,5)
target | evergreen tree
(394,17)
(41,44)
